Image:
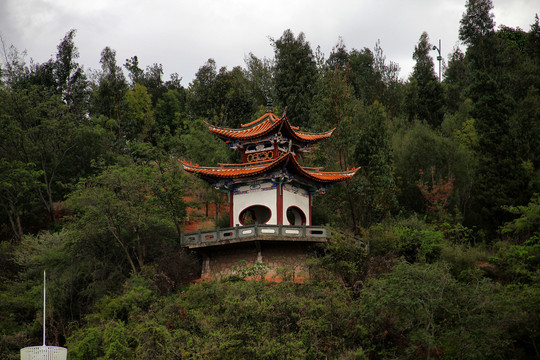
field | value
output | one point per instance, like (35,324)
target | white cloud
(182,35)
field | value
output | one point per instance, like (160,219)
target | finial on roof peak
(269,105)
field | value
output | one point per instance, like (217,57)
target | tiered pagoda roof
(263,144)
(287,161)
(268,124)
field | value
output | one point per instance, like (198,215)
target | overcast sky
(181,35)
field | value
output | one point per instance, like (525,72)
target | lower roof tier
(285,164)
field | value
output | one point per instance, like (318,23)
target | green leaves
(216,320)
(201,147)
(295,76)
(223,97)
(528,222)
(421,309)
(424,93)
(140,116)
(126,205)
(477,21)
(18,181)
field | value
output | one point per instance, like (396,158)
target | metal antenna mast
(439,58)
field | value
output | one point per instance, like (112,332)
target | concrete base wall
(281,259)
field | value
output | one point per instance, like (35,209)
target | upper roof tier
(266,125)
(286,161)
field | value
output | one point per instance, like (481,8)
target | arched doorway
(295,216)
(256,214)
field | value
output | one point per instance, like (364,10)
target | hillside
(435,250)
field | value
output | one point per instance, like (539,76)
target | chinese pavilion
(269,187)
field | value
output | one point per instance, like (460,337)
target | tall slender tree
(260,75)
(295,76)
(69,76)
(424,92)
(108,97)
(477,27)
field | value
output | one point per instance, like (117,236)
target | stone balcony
(241,234)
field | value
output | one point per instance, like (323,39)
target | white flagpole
(44,304)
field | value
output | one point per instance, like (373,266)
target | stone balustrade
(240,234)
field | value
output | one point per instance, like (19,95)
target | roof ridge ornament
(269,105)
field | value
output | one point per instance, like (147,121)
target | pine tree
(425,92)
(476,29)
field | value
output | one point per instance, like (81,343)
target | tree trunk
(126,251)
(15,220)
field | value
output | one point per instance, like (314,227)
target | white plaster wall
(247,196)
(294,196)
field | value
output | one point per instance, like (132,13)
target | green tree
(69,76)
(202,147)
(151,78)
(391,94)
(421,311)
(520,262)
(140,116)
(501,178)
(171,120)
(367,82)
(259,73)
(44,122)
(108,95)
(417,150)
(121,205)
(339,57)
(201,101)
(39,129)
(476,29)
(17,180)
(476,22)
(524,124)
(169,188)
(374,185)
(336,107)
(136,74)
(424,94)
(295,76)
(533,43)
(236,102)
(222,97)
(455,80)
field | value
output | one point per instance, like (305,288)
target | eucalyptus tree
(223,97)
(295,75)
(260,76)
(71,81)
(109,90)
(152,78)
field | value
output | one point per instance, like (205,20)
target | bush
(420,310)
(461,259)
(520,263)
(343,257)
(411,239)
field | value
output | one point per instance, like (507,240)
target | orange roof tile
(254,169)
(271,116)
(266,125)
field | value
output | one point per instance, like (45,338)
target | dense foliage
(436,245)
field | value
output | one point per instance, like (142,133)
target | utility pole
(439,58)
